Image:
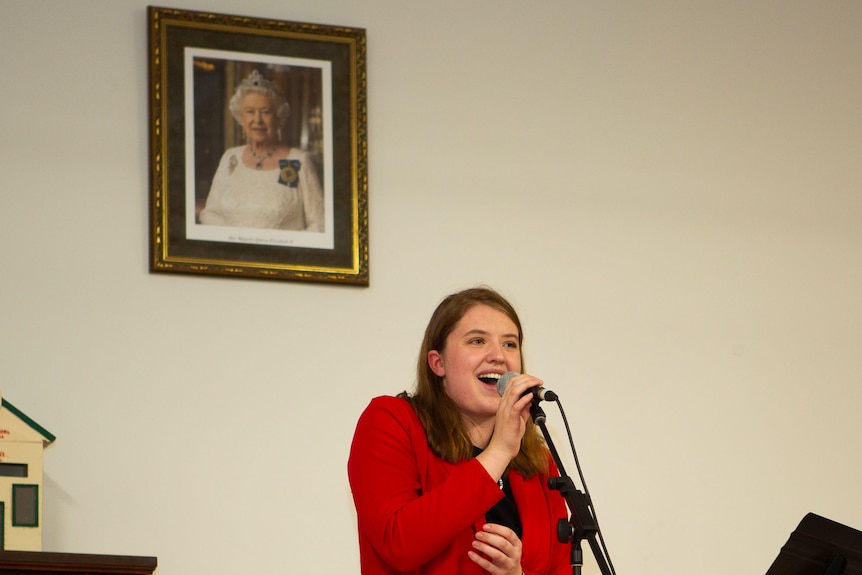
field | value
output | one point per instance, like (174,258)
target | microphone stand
(582,524)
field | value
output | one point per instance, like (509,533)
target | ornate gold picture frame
(296,209)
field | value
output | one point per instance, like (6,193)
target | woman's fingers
(497,549)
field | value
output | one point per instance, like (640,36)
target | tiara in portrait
(256,80)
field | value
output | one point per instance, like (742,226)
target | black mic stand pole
(582,524)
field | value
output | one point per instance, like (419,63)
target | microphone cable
(587,495)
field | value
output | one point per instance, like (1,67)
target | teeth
(489,377)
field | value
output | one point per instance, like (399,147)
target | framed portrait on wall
(258,148)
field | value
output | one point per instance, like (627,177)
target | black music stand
(820,546)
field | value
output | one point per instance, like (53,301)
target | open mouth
(490,378)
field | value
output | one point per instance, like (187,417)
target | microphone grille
(504,381)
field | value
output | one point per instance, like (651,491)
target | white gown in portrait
(290,198)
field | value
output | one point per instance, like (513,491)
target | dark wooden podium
(41,563)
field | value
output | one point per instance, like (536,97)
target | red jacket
(418,514)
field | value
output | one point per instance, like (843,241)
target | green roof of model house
(49,437)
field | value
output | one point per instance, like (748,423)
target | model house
(22,445)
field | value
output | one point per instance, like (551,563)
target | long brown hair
(439,415)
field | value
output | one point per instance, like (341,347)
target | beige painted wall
(668,191)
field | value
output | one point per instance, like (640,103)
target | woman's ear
(435,362)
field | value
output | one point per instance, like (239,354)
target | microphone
(539,393)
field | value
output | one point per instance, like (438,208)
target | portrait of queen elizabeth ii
(259,154)
(266,182)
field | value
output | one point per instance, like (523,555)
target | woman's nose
(495,353)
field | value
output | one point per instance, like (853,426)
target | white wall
(668,191)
